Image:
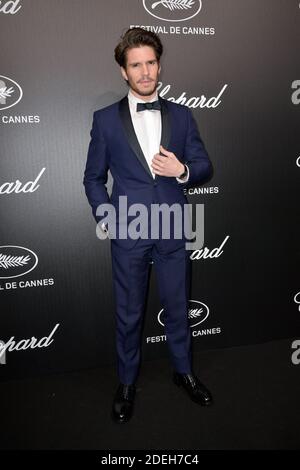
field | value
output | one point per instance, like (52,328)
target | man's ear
(124,74)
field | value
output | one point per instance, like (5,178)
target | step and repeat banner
(236,64)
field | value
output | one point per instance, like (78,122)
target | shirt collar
(134,100)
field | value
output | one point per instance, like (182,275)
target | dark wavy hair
(136,37)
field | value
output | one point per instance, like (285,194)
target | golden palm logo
(16,261)
(5,92)
(174,4)
(10,92)
(173,10)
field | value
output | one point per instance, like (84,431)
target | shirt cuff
(104,228)
(184,180)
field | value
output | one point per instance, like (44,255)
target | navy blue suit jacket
(114,146)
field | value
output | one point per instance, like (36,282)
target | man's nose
(145,69)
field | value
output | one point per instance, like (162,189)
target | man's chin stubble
(146,93)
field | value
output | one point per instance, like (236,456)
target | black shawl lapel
(165,124)
(132,138)
(130,134)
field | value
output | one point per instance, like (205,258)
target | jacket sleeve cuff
(185,179)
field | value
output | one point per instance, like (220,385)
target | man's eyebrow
(150,60)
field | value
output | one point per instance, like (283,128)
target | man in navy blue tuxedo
(153,150)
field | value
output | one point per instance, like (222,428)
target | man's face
(142,71)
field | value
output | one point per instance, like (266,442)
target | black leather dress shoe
(195,389)
(122,408)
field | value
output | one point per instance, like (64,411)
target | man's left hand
(167,165)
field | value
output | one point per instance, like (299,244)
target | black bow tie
(143,106)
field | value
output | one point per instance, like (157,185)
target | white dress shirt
(147,126)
